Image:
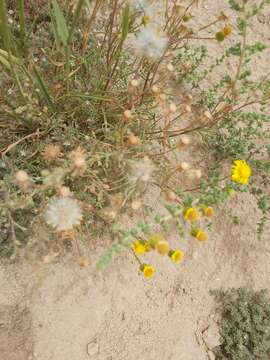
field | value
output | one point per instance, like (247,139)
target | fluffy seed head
(142,170)
(63,213)
(150,42)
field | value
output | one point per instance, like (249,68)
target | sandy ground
(59,311)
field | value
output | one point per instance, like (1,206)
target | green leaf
(125,22)
(59,24)
(44,90)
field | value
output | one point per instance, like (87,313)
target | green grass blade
(125,22)
(59,24)
(44,90)
(75,19)
(4,28)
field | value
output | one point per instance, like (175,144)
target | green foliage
(245,324)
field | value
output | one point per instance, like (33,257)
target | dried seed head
(136,205)
(155,89)
(128,115)
(51,153)
(163,247)
(22,179)
(170,67)
(134,82)
(183,141)
(83,262)
(172,108)
(133,140)
(184,166)
(170,195)
(78,161)
(162,97)
(187,109)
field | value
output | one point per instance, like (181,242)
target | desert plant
(91,125)
(244,324)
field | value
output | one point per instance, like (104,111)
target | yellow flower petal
(148,270)
(191,214)
(138,247)
(241,172)
(176,255)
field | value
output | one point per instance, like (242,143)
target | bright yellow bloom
(191,214)
(200,234)
(208,211)
(163,247)
(154,239)
(176,255)
(241,172)
(138,247)
(148,270)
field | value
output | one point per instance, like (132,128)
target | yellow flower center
(191,214)
(177,256)
(148,271)
(138,247)
(201,235)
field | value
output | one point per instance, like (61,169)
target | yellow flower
(154,239)
(163,247)
(227,30)
(176,255)
(148,270)
(138,247)
(200,234)
(208,211)
(241,172)
(191,214)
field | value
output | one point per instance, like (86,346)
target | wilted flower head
(22,180)
(150,42)
(51,153)
(78,161)
(142,170)
(63,213)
